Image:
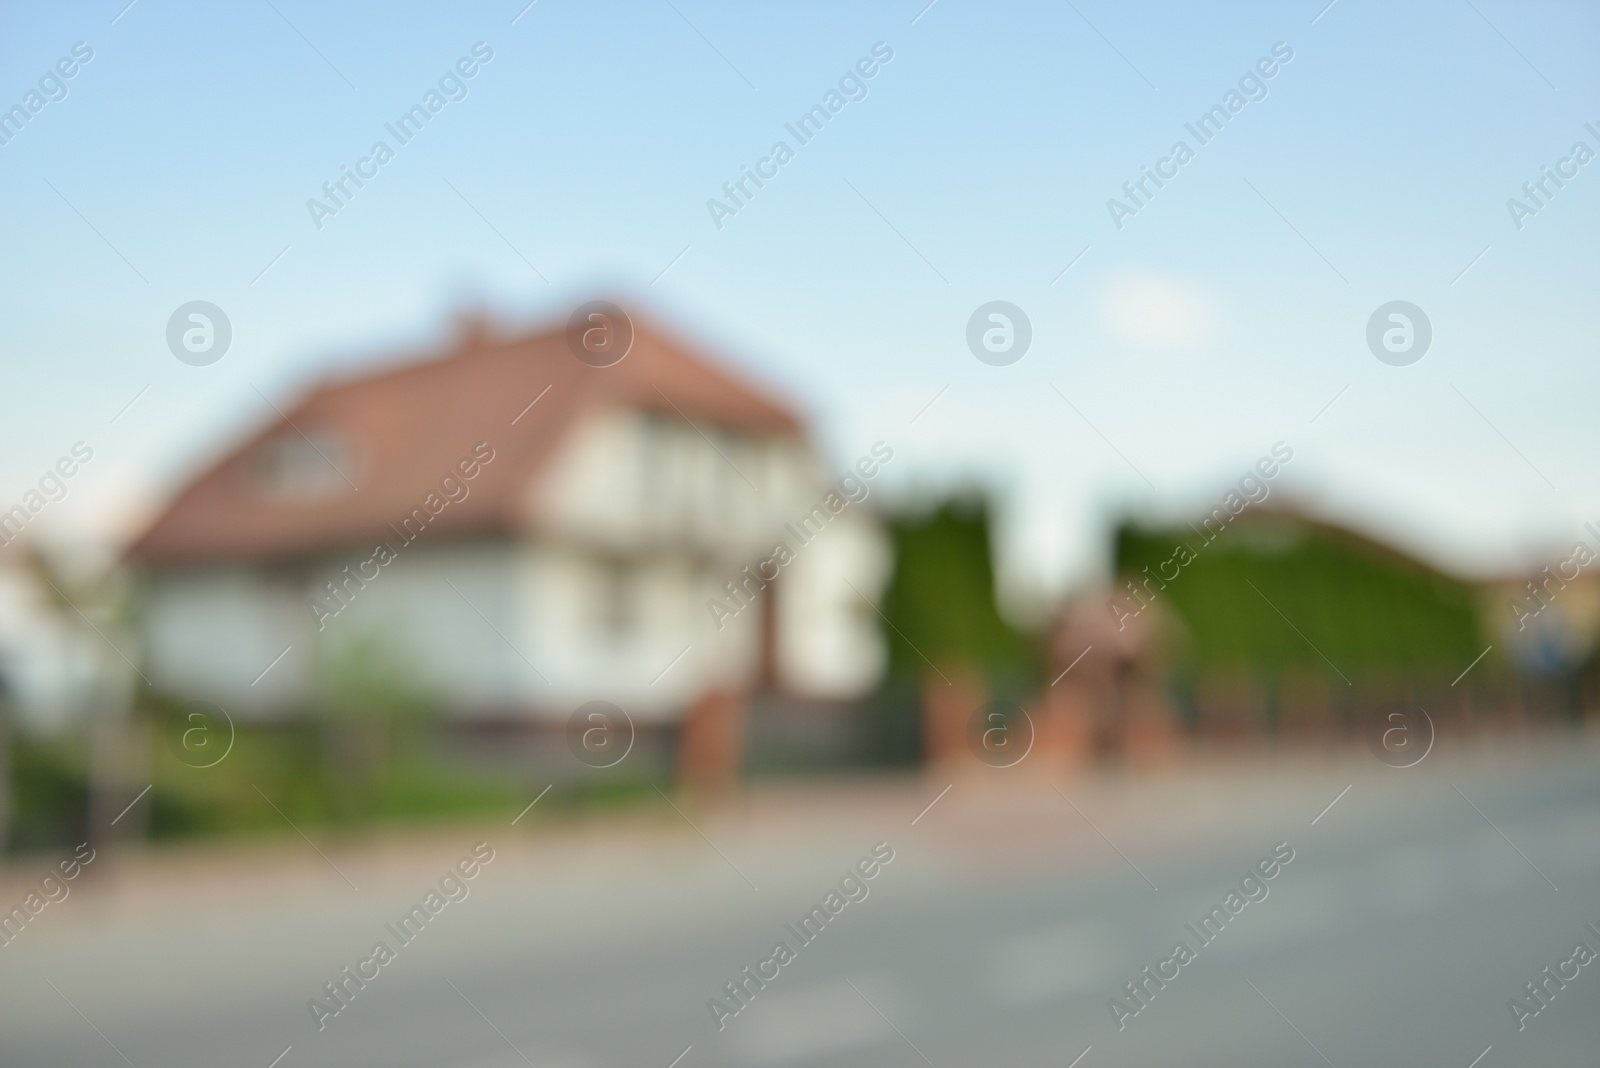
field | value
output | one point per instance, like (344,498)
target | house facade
(520,533)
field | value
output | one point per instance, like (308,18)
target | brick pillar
(1064,726)
(1149,734)
(711,739)
(949,699)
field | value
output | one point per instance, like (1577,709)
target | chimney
(475,330)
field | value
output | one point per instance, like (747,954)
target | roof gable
(354,456)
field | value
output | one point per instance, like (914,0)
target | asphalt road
(1014,909)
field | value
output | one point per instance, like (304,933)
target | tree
(947,639)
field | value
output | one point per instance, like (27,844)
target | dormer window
(305,467)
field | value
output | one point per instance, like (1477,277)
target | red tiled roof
(407,427)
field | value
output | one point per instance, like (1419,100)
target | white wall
(637,665)
(210,633)
(653,484)
(633,481)
(439,612)
(831,641)
(640,523)
(494,626)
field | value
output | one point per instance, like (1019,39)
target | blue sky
(1220,319)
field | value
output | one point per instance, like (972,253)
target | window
(616,608)
(308,467)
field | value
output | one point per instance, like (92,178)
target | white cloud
(1141,308)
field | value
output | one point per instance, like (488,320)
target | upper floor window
(304,467)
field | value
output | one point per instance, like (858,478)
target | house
(524,533)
